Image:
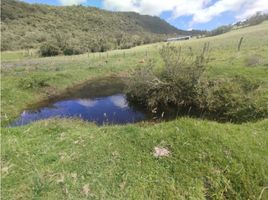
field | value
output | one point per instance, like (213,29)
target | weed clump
(33,82)
(230,99)
(183,86)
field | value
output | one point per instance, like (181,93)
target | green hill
(27,26)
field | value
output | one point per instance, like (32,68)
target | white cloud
(202,11)
(256,6)
(87,102)
(72,2)
(206,14)
(119,101)
(155,7)
(246,7)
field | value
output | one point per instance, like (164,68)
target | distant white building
(178,38)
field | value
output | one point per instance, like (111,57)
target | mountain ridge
(85,28)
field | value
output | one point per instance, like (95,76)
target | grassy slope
(31,25)
(208,159)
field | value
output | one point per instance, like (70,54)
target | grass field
(71,159)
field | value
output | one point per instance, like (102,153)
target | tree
(49,49)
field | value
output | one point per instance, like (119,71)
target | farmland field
(73,159)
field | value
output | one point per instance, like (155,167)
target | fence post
(240,43)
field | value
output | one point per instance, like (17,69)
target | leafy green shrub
(126,45)
(47,50)
(174,85)
(34,82)
(140,87)
(94,48)
(181,86)
(233,99)
(68,51)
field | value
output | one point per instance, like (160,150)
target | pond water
(101,101)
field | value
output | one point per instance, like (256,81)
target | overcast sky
(184,14)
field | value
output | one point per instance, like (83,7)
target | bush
(230,99)
(68,51)
(126,45)
(34,82)
(181,86)
(174,85)
(47,50)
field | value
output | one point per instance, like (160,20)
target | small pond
(101,101)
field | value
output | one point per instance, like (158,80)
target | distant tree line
(219,30)
(254,20)
(69,46)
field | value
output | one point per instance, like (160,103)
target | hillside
(251,21)
(27,26)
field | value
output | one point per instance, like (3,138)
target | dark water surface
(101,101)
